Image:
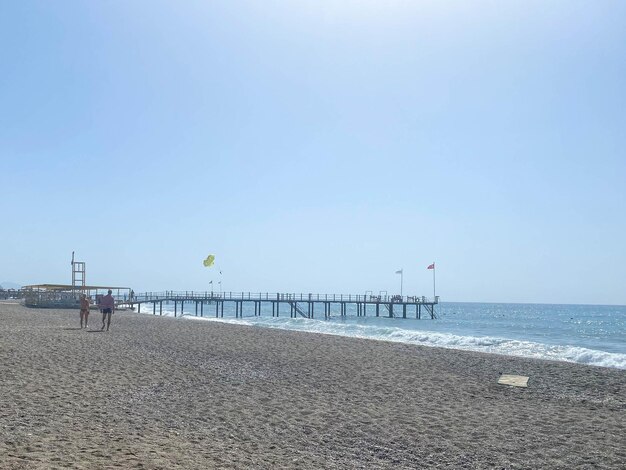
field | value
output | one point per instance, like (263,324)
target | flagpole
(401,273)
(434,269)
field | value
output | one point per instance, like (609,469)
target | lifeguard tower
(78,273)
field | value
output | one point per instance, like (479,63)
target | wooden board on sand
(513,380)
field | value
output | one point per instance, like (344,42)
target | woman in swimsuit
(84,309)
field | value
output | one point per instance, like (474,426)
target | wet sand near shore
(163,393)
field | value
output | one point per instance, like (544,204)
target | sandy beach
(163,393)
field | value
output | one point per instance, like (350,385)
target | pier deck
(298,305)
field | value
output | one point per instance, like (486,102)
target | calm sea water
(587,334)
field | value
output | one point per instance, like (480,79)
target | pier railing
(277,296)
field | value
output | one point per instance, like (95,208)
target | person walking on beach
(107,305)
(84,309)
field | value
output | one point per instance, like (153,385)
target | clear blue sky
(317,146)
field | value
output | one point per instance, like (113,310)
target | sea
(585,334)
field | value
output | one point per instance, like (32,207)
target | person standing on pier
(107,305)
(84,309)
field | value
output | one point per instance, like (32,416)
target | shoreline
(582,349)
(176,394)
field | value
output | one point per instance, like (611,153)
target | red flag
(432,266)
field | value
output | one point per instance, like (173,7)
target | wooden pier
(297,305)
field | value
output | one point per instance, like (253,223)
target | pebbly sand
(163,393)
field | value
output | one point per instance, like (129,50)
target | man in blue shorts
(107,306)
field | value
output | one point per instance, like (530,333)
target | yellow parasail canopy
(209,261)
